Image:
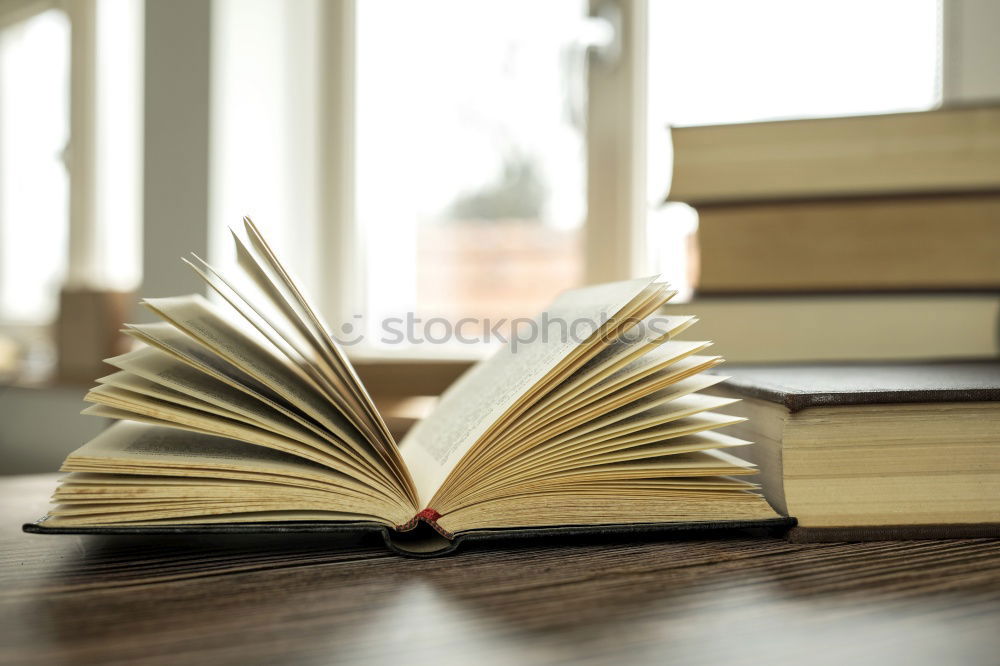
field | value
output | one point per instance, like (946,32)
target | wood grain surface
(303,599)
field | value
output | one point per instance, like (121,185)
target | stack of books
(874,240)
(867,237)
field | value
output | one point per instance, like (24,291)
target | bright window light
(264,129)
(34,186)
(118,214)
(730,61)
(470,155)
(725,61)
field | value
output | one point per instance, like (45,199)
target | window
(117,260)
(70,69)
(34,186)
(35,113)
(726,61)
(470,155)
(264,128)
(472,130)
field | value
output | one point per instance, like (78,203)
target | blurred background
(820,180)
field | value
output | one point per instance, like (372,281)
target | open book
(246,415)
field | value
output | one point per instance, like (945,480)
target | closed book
(949,150)
(828,327)
(904,243)
(875,450)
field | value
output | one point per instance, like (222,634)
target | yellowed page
(583,441)
(168,339)
(619,391)
(185,415)
(206,514)
(198,318)
(562,410)
(498,437)
(260,263)
(144,519)
(134,448)
(136,384)
(707,462)
(258,308)
(607,413)
(622,354)
(583,506)
(162,368)
(586,426)
(487,391)
(624,386)
(681,436)
(143,445)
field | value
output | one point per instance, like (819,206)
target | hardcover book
(767,328)
(875,450)
(245,415)
(945,150)
(903,243)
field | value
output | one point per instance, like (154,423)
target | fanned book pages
(244,414)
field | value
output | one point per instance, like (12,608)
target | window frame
(616,176)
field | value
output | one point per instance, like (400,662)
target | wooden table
(314,600)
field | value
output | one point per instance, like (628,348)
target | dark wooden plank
(308,599)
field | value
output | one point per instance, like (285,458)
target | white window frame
(82,262)
(342,293)
(82,161)
(618,181)
(13,12)
(627,178)
(617,188)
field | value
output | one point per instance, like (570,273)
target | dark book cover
(799,386)
(423,541)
